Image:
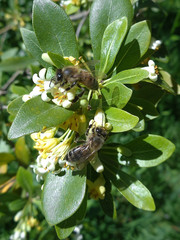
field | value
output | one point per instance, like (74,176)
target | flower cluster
(48,91)
(51,151)
(45,86)
(25,224)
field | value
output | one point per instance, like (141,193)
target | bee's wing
(93,66)
(81,153)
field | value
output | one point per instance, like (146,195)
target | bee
(82,154)
(74,75)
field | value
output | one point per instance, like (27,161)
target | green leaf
(149,92)
(146,107)
(19,90)
(63,195)
(130,76)
(65,228)
(120,120)
(149,150)
(15,105)
(15,64)
(116,94)
(25,179)
(135,46)
(107,203)
(34,115)
(12,52)
(6,158)
(17,205)
(22,151)
(103,13)
(54,29)
(111,42)
(133,109)
(162,82)
(58,60)
(131,188)
(32,46)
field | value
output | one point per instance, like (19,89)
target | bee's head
(101,132)
(59,75)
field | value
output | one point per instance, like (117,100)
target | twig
(4,88)
(79,15)
(5,29)
(4,107)
(80,26)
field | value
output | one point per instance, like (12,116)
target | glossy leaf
(54,29)
(130,76)
(131,188)
(25,179)
(116,94)
(32,46)
(15,64)
(103,13)
(107,204)
(147,108)
(133,109)
(111,42)
(58,60)
(15,105)
(135,46)
(145,91)
(163,84)
(22,151)
(65,228)
(34,115)
(149,151)
(63,195)
(120,120)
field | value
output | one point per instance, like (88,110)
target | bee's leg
(52,79)
(72,85)
(77,139)
(79,95)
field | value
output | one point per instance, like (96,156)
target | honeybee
(82,154)
(73,75)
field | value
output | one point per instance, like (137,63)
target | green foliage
(54,199)
(55,34)
(128,97)
(32,117)
(102,14)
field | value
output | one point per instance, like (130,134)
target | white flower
(155,44)
(152,71)
(26,97)
(62,97)
(43,87)
(99,118)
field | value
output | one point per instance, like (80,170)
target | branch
(79,15)
(4,88)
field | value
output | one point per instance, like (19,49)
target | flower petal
(66,104)
(26,97)
(44,97)
(42,73)
(35,78)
